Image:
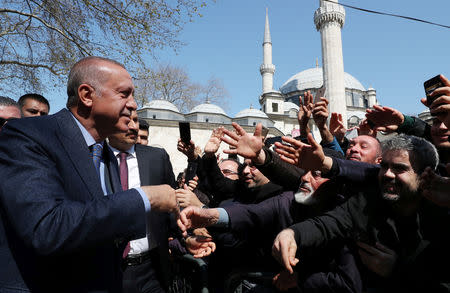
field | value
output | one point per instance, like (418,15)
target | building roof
(289,105)
(313,78)
(161,105)
(250,112)
(208,108)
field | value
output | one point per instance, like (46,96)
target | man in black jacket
(389,219)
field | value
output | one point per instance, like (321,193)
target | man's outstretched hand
(195,217)
(284,249)
(245,144)
(309,157)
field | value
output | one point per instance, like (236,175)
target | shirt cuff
(224,219)
(144,199)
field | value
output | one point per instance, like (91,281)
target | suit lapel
(143,165)
(75,146)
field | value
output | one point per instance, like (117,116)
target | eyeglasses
(229,172)
(4,120)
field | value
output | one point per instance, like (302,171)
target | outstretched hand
(305,109)
(187,197)
(337,127)
(384,118)
(200,244)
(320,112)
(245,144)
(308,157)
(364,128)
(436,188)
(284,249)
(213,144)
(195,217)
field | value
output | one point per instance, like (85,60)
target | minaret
(267,69)
(329,19)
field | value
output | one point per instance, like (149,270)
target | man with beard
(333,270)
(392,220)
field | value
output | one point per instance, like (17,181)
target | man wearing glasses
(9,110)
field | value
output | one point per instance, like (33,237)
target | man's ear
(85,94)
(378,160)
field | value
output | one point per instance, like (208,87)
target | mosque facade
(279,108)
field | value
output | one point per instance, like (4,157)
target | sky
(394,56)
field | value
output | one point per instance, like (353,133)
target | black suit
(61,234)
(155,169)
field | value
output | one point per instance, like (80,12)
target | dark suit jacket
(331,270)
(59,232)
(155,169)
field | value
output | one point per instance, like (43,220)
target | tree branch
(68,37)
(13,62)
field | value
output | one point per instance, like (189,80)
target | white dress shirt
(139,245)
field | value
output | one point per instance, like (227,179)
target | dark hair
(143,124)
(86,71)
(422,153)
(5,101)
(32,96)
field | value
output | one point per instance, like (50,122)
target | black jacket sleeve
(280,172)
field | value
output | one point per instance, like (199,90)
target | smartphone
(430,85)
(185,131)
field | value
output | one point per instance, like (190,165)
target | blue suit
(59,233)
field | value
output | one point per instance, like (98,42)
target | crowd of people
(87,206)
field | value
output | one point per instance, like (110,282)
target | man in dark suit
(65,222)
(146,260)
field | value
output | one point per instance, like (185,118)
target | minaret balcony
(267,68)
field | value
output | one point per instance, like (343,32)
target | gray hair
(423,152)
(86,71)
(7,102)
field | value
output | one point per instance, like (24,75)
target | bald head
(90,71)
(364,148)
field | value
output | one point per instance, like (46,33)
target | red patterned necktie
(124,180)
(124,170)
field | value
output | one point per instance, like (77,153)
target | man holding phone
(438,98)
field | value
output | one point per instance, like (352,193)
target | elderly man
(66,219)
(8,110)
(402,238)
(33,105)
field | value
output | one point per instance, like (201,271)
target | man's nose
(131,104)
(389,174)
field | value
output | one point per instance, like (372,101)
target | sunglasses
(4,120)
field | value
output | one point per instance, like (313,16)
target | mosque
(279,108)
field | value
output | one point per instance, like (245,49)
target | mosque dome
(161,105)
(289,105)
(313,78)
(208,108)
(250,112)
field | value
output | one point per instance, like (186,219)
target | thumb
(312,142)
(258,130)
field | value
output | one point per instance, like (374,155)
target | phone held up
(185,132)
(430,85)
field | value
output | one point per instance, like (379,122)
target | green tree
(41,40)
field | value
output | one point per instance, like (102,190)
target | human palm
(385,118)
(213,144)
